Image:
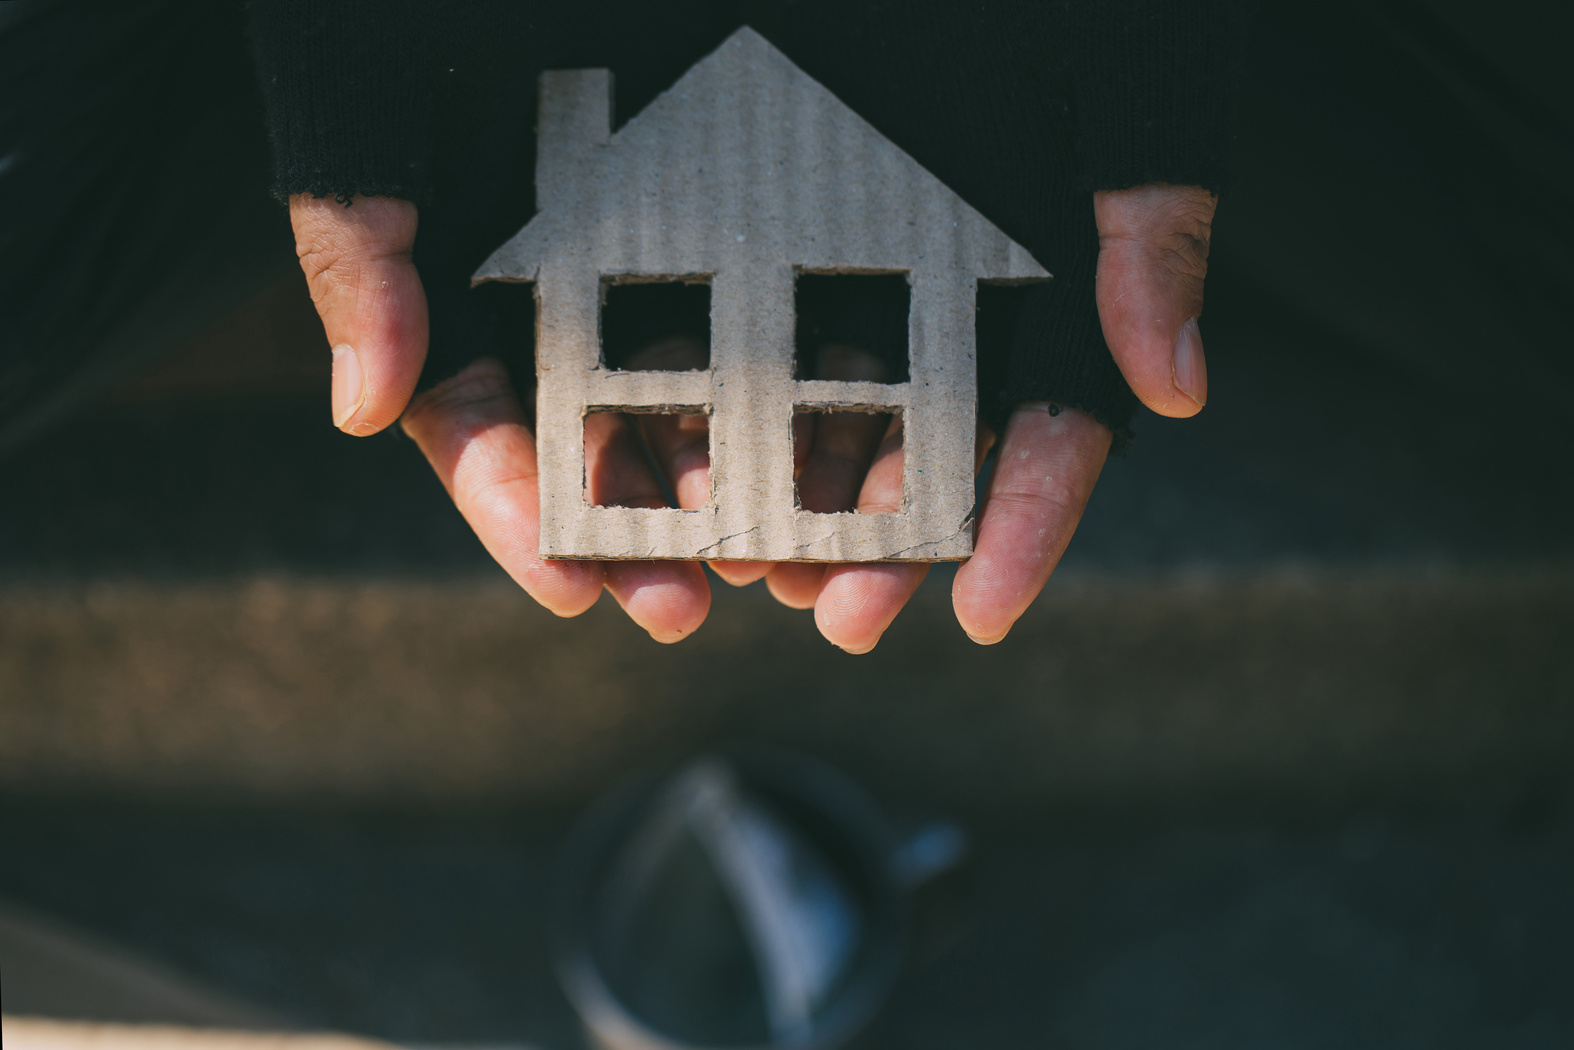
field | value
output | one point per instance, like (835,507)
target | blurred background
(1280,758)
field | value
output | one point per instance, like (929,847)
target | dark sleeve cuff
(1054,352)
(1155,90)
(348,86)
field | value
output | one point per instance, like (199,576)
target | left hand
(1153,257)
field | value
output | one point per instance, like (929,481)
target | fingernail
(1191,370)
(985,641)
(348,392)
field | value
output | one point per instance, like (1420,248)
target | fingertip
(741,573)
(795,584)
(858,603)
(1168,398)
(972,614)
(670,600)
(830,620)
(980,630)
(983,612)
(855,643)
(1178,406)
(837,617)
(566,588)
(1167,372)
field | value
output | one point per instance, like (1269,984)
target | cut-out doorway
(864,311)
(848,459)
(650,325)
(653,459)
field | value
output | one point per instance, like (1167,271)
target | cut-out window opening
(652,458)
(852,326)
(655,324)
(848,459)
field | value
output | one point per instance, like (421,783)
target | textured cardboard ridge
(745,173)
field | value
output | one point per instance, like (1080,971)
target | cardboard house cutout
(745,174)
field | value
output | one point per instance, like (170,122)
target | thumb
(1153,256)
(358,269)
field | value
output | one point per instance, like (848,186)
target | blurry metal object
(752,899)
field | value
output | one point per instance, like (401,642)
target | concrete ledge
(1289,688)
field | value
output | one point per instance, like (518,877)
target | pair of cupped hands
(475,431)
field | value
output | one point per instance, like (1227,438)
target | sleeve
(1055,351)
(1151,95)
(348,87)
(1155,91)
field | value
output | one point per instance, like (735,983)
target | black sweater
(1023,107)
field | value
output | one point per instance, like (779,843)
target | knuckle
(1185,257)
(1172,226)
(342,257)
(1181,241)
(1045,507)
(323,272)
(334,248)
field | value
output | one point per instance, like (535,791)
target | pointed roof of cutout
(746,149)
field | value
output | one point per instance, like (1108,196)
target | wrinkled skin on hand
(474,431)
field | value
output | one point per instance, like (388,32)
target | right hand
(472,428)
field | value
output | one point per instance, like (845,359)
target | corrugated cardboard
(746,173)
